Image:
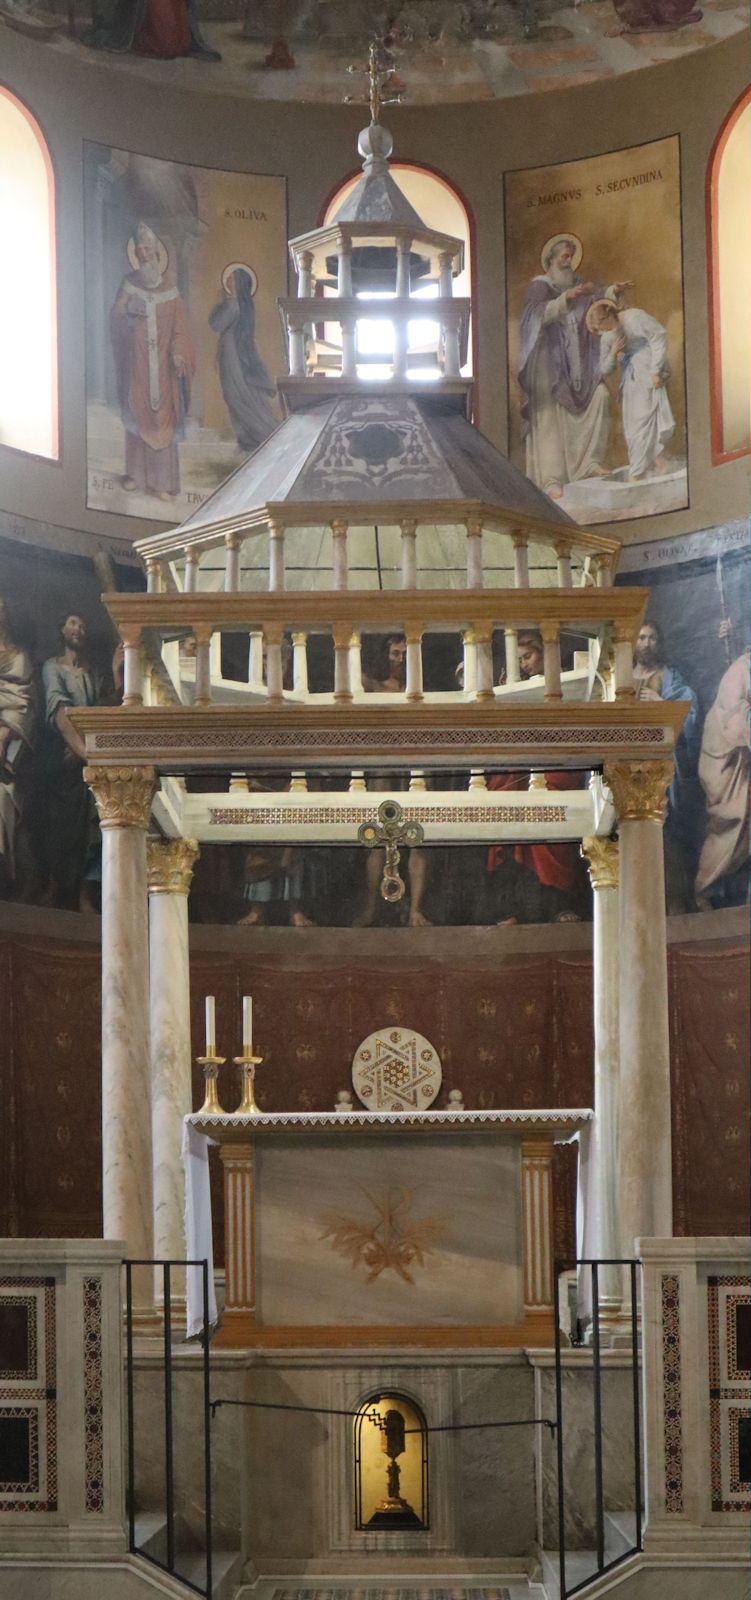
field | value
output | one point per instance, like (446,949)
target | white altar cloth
(198,1239)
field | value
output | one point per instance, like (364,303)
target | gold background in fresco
(629,232)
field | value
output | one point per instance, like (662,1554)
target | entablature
(487,735)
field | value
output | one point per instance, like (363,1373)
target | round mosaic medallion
(396,1070)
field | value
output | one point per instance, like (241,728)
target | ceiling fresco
(451,50)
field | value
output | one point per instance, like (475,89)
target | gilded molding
(601,856)
(123,795)
(639,789)
(169,864)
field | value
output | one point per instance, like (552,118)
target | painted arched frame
(729,254)
(28,285)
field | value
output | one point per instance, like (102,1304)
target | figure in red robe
(161,28)
(535,882)
(154,364)
(656,16)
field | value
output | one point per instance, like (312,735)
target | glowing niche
(391,1465)
(28,371)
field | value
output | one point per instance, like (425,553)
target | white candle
(248,1024)
(210,1026)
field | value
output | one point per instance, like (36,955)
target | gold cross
(389,832)
(378,73)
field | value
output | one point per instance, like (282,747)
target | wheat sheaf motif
(395,1242)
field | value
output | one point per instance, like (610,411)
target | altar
(362,1228)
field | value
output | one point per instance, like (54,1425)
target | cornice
(443,608)
(487,734)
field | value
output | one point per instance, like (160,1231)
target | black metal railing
(165,1549)
(623,1500)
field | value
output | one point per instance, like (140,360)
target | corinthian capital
(639,789)
(123,795)
(169,863)
(601,856)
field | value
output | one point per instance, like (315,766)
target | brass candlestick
(211,1064)
(248,1106)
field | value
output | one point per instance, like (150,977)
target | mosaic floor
(392,1594)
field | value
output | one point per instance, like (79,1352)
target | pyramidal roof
(376,197)
(374,449)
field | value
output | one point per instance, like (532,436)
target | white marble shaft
(126,1101)
(171,1098)
(598,1232)
(644,1136)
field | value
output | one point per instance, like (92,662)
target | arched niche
(729,246)
(390,1437)
(28,286)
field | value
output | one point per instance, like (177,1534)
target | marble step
(190,1564)
(620,1535)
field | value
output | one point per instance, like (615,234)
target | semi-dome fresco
(297,51)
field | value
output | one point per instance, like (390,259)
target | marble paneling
(496,1468)
(693,1387)
(226,1445)
(77,1364)
(398,1232)
(283,1479)
(578,1447)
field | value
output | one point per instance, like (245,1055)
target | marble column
(123,797)
(170,870)
(644,1137)
(598,1233)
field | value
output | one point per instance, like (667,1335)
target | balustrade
(232,567)
(188,629)
(132,667)
(531,554)
(474,552)
(521,560)
(276,556)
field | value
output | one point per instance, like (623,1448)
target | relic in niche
(393,1511)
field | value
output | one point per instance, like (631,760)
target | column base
(237,1329)
(615,1329)
(178,1313)
(147,1323)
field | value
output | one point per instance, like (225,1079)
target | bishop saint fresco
(154,365)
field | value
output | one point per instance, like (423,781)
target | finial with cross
(389,832)
(379,70)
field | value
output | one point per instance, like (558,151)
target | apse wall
(89,97)
(49,959)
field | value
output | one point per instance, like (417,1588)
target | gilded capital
(123,795)
(169,863)
(601,856)
(639,789)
